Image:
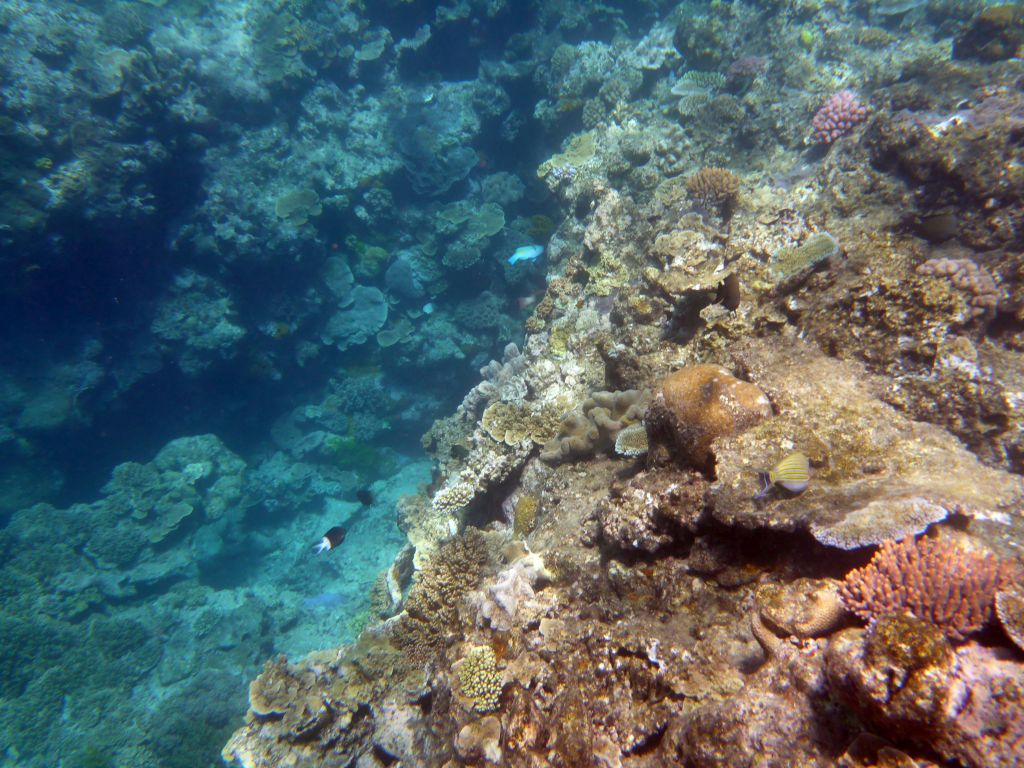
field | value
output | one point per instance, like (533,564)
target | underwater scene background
(511,383)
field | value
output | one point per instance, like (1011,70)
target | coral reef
(904,679)
(758,231)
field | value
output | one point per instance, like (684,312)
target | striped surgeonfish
(792,473)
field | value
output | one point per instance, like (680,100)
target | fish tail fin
(766,485)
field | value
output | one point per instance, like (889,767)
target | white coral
(501,603)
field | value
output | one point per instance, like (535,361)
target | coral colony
(837,117)
(493,384)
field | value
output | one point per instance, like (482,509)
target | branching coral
(431,611)
(934,579)
(714,188)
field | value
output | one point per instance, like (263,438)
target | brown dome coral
(699,404)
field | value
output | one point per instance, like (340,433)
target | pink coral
(837,117)
(936,580)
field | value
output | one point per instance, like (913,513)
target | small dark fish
(331,539)
(728,294)
(365,496)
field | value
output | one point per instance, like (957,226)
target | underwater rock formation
(904,679)
(875,474)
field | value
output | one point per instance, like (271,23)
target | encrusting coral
(936,580)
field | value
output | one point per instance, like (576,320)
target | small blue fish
(526,253)
(793,474)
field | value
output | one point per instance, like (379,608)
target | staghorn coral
(431,610)
(699,404)
(480,678)
(933,579)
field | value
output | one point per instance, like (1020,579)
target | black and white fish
(331,539)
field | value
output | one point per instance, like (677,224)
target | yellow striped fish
(792,473)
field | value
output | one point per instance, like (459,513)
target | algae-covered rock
(902,677)
(875,474)
(654,510)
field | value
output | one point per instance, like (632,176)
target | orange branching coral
(935,580)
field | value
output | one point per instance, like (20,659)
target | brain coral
(699,404)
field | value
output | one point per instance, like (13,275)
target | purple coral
(747,67)
(837,117)
(965,275)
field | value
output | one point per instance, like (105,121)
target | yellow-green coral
(580,149)
(512,425)
(480,679)
(297,206)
